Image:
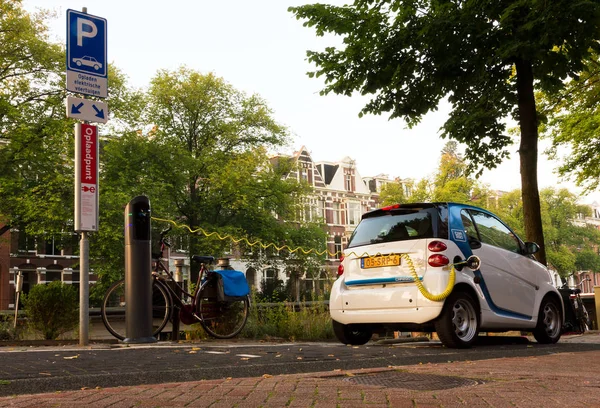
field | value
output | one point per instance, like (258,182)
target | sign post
(87,69)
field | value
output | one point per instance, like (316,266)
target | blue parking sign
(86,44)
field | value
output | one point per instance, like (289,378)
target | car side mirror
(474,244)
(531,248)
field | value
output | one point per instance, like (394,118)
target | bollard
(138,267)
(178,277)
(597,303)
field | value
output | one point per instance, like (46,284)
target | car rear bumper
(401,303)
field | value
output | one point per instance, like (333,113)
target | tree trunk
(528,152)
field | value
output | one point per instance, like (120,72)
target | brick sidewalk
(557,380)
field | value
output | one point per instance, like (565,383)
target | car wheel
(549,324)
(96,67)
(78,63)
(355,335)
(458,324)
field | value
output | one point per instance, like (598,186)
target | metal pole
(84,278)
(84,289)
(18,287)
(179,263)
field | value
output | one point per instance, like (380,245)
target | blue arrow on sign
(75,109)
(99,112)
(86,109)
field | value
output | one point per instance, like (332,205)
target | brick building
(39,260)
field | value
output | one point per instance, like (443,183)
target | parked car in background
(502,288)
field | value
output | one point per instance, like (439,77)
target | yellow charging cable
(426,294)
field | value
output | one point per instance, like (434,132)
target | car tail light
(390,207)
(437,260)
(340,270)
(437,246)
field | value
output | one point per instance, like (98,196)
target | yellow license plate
(379,261)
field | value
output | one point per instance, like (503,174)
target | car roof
(415,206)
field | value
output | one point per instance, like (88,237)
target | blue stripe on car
(375,281)
(455,222)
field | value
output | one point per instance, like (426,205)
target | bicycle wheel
(584,320)
(113,309)
(221,319)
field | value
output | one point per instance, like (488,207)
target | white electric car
(501,288)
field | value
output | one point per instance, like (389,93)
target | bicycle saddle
(203,259)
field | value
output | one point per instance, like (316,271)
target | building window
(53,246)
(270,275)
(321,209)
(337,246)
(182,243)
(304,175)
(349,182)
(336,210)
(26,242)
(310,208)
(53,275)
(353,212)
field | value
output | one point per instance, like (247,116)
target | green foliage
(451,182)
(272,291)
(52,309)
(409,56)
(570,247)
(485,58)
(35,164)
(392,193)
(283,321)
(573,123)
(7,332)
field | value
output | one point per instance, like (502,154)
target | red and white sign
(86,177)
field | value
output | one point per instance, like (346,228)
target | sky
(260,48)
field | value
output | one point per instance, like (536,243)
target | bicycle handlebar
(162,235)
(165,231)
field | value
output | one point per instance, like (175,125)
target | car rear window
(399,225)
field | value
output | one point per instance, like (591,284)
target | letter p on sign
(81,23)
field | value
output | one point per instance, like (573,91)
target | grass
(287,322)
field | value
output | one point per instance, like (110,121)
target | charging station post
(138,267)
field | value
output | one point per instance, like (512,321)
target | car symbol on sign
(89,61)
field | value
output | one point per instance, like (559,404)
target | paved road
(26,370)
(536,376)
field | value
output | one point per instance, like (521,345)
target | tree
(205,159)
(570,247)
(34,167)
(394,193)
(485,58)
(451,182)
(574,120)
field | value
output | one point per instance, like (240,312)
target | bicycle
(222,317)
(576,316)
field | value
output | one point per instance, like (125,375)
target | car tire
(78,63)
(96,67)
(549,324)
(355,335)
(458,324)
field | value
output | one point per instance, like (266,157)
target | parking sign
(87,65)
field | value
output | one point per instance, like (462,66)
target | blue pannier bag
(231,285)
